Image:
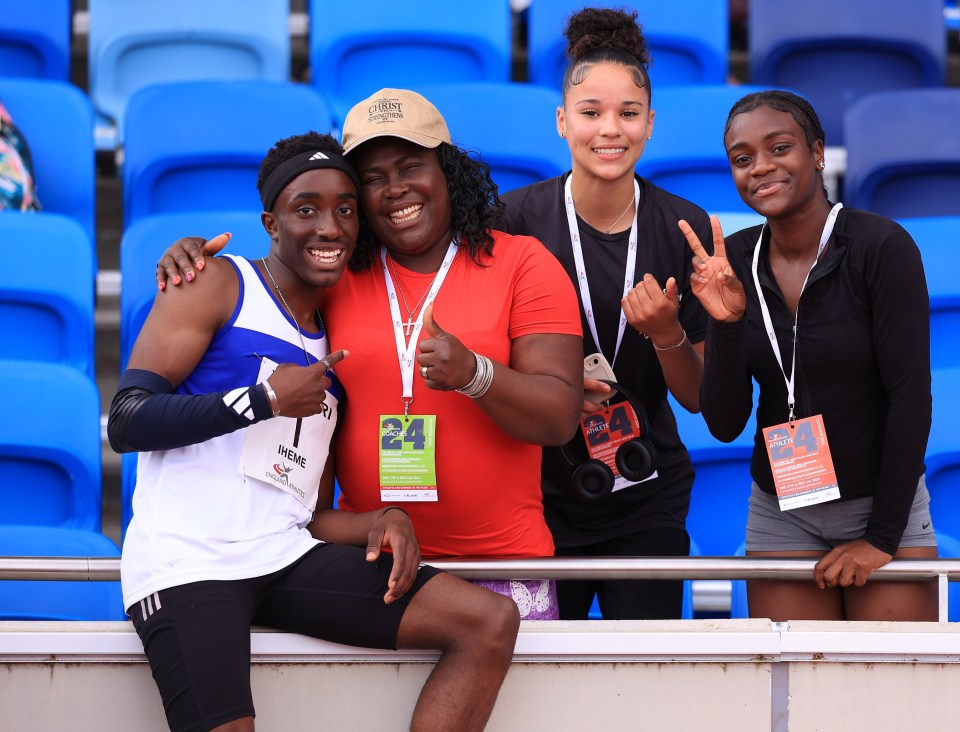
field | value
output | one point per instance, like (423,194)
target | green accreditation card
(408,466)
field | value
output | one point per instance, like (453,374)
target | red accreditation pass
(801,462)
(605,431)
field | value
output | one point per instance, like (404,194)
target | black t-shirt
(538,210)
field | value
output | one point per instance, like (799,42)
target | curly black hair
(292,146)
(605,35)
(474,202)
(783,101)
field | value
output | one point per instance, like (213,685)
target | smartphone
(595,366)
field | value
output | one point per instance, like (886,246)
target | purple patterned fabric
(536,599)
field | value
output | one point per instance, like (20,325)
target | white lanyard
(582,272)
(406,350)
(765,311)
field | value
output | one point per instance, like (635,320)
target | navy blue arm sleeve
(146,415)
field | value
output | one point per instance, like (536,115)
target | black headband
(297,165)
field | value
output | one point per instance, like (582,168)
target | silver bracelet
(482,378)
(670,348)
(271,397)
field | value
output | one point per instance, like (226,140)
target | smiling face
(773,167)
(606,119)
(314,225)
(405,199)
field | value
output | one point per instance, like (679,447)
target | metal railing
(694,568)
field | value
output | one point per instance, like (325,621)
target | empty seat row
(902,160)
(56,118)
(359,47)
(51,483)
(197,145)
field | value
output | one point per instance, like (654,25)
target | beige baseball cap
(394,113)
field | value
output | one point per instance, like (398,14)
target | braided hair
(783,101)
(605,35)
(796,106)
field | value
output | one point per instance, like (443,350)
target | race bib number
(290,453)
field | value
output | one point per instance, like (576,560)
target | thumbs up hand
(444,362)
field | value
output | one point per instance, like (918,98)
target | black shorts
(197,636)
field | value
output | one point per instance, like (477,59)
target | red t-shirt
(488,483)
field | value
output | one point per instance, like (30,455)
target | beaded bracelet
(670,348)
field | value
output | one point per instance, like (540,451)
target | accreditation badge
(607,430)
(408,465)
(801,462)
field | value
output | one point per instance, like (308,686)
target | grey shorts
(826,525)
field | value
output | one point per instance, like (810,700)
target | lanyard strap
(406,350)
(765,311)
(582,272)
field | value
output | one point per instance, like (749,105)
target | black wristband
(396,508)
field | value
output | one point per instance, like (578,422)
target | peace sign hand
(713,281)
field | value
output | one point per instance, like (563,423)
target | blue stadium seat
(951,13)
(180,155)
(137,43)
(35,42)
(146,239)
(47,317)
(57,120)
(689,40)
(943,452)
(359,47)
(834,53)
(721,489)
(937,237)
(50,471)
(734,221)
(685,154)
(903,153)
(55,600)
(514,130)
(142,244)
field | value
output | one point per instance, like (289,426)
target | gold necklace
(629,206)
(293,317)
(610,228)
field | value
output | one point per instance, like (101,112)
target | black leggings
(626,599)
